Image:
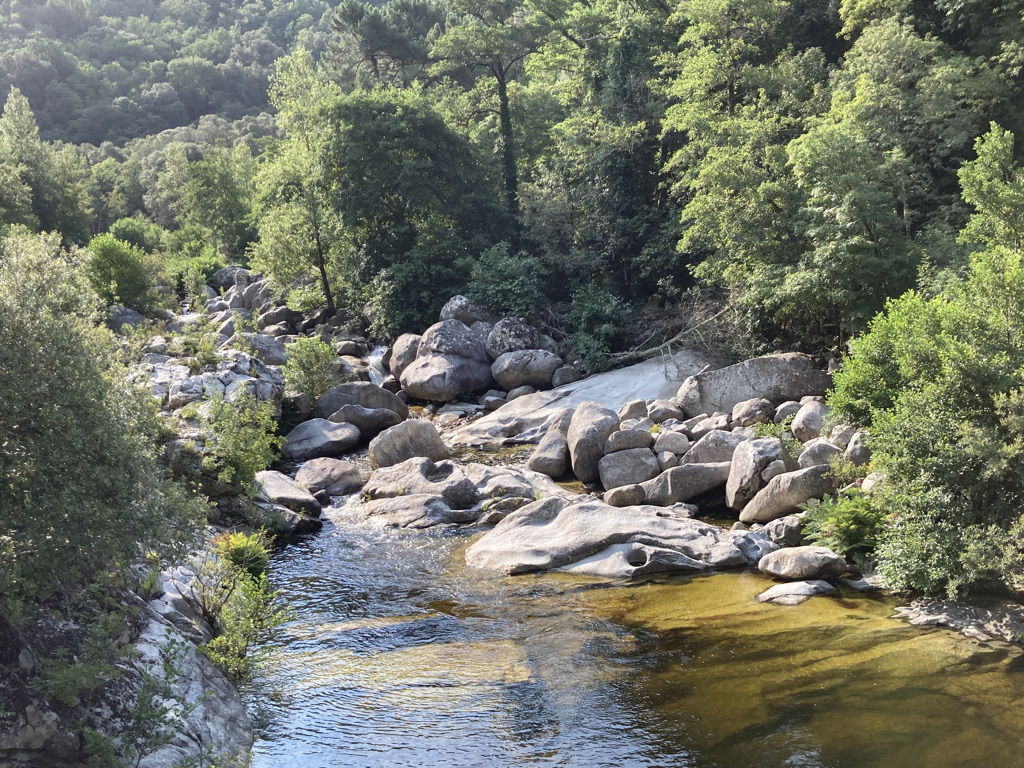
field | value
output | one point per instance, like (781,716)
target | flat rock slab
(555,533)
(416,511)
(796,592)
(332,475)
(281,489)
(526,419)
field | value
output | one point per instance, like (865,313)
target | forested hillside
(793,163)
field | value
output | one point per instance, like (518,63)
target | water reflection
(402,656)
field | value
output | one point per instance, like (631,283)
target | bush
(138,232)
(241,439)
(848,525)
(82,492)
(312,368)
(248,551)
(117,272)
(509,284)
(598,323)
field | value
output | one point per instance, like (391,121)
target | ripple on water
(400,655)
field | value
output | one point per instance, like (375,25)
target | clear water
(400,655)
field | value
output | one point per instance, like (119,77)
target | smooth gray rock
(266,349)
(710,424)
(465,311)
(667,460)
(331,475)
(684,482)
(523,391)
(663,410)
(554,533)
(413,438)
(786,531)
(717,445)
(749,461)
(416,511)
(452,338)
(369,421)
(634,409)
(757,410)
(319,438)
(525,367)
(551,457)
(809,421)
(590,427)
(358,393)
(403,352)
(624,496)
(796,592)
(566,374)
(784,411)
(624,440)
(787,376)
(511,334)
(421,476)
(629,467)
(280,489)
(818,451)
(444,377)
(784,492)
(673,442)
(799,563)
(857,452)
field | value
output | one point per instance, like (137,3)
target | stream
(400,655)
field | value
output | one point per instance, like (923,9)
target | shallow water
(400,655)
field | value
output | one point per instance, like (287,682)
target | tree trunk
(321,258)
(509,157)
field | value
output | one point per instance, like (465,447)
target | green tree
(64,395)
(117,272)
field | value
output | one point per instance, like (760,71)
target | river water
(401,655)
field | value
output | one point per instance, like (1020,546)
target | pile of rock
(660,453)
(470,350)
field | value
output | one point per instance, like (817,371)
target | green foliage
(117,272)
(849,525)
(136,231)
(59,374)
(241,439)
(312,367)
(509,284)
(598,322)
(248,551)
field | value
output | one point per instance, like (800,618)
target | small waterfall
(375,364)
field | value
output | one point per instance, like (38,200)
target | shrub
(598,321)
(242,439)
(138,232)
(507,283)
(117,272)
(248,551)
(848,525)
(312,368)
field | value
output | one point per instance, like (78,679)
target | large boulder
(444,377)
(551,457)
(450,337)
(858,452)
(358,393)
(525,367)
(784,492)
(421,476)
(369,421)
(416,511)
(629,467)
(591,426)
(800,563)
(787,376)
(510,334)
(625,439)
(410,439)
(717,445)
(818,451)
(809,421)
(750,460)
(685,482)
(319,438)
(555,533)
(266,349)
(278,488)
(331,475)
(403,352)
(465,311)
(757,410)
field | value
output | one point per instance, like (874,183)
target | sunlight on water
(400,655)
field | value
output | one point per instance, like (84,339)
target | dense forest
(839,178)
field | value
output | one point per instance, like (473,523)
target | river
(401,655)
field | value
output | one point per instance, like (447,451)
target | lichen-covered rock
(451,337)
(465,311)
(511,334)
(525,367)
